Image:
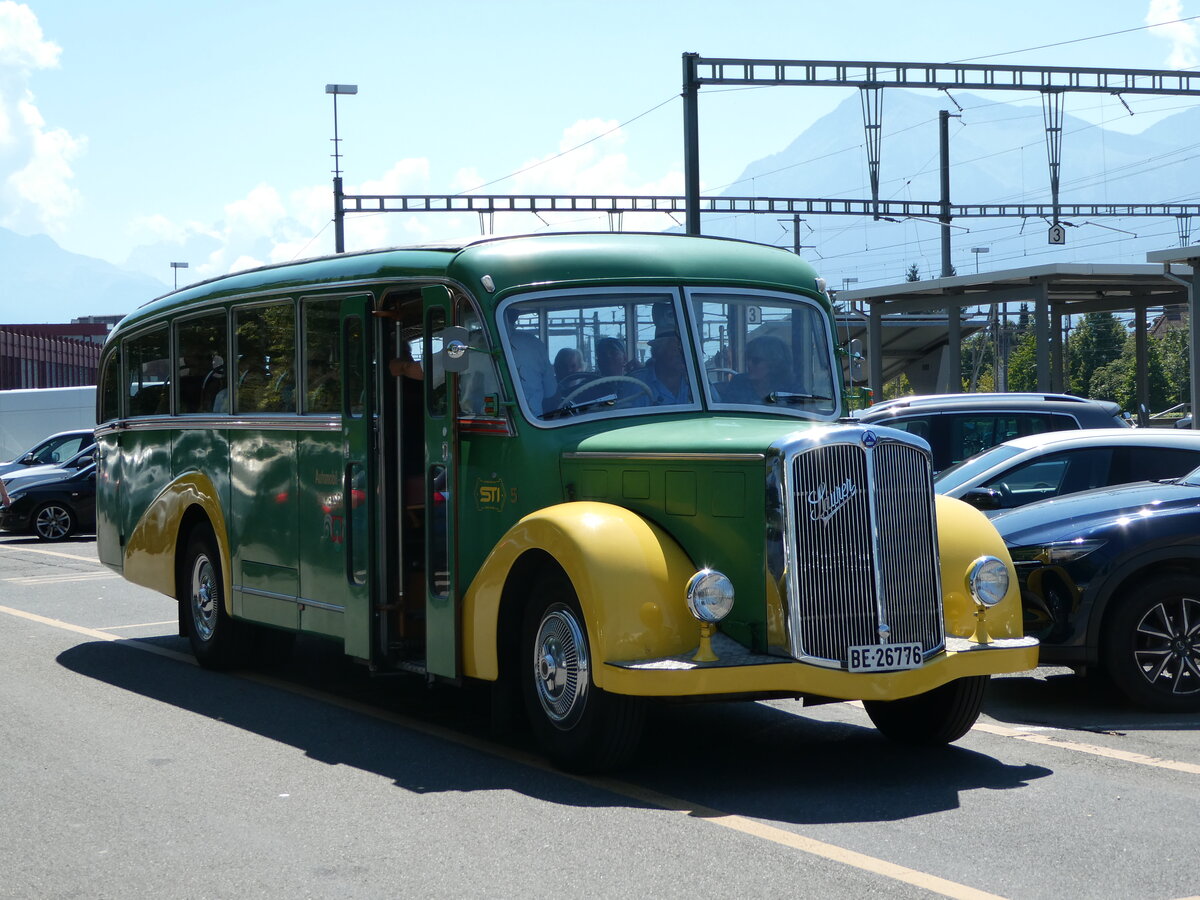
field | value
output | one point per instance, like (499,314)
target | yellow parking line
(740,824)
(1093,749)
(779,836)
(99,635)
(20,549)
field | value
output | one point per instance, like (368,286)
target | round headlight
(988,580)
(709,595)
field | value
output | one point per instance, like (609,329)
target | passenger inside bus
(666,371)
(768,370)
(536,375)
(567,362)
(412,423)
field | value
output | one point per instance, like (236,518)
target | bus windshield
(634,352)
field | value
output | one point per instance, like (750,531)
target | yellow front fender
(964,535)
(629,575)
(150,552)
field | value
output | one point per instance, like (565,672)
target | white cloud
(35,160)
(268,225)
(22,45)
(1182,35)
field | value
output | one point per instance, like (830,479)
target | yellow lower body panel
(738,672)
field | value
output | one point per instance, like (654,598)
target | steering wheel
(721,371)
(217,372)
(572,381)
(604,379)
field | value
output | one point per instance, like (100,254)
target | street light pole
(977,251)
(339,212)
(176,266)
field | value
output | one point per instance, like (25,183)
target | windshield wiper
(572,409)
(790,397)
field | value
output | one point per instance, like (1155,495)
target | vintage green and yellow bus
(594,470)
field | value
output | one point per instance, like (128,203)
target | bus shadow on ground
(1058,698)
(750,759)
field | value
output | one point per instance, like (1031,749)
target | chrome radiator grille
(863,550)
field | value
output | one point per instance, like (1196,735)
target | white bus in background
(28,415)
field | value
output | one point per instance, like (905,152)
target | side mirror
(983,498)
(28,460)
(454,353)
(858,362)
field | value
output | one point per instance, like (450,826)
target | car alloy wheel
(1167,645)
(53,522)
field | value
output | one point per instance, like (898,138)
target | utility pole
(691,144)
(944,117)
(339,209)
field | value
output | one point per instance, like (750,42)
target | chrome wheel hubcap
(560,664)
(205,595)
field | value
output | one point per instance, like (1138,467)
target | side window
(110,387)
(265,345)
(1061,423)
(322,365)
(200,364)
(435,377)
(971,433)
(148,373)
(918,426)
(1151,464)
(356,377)
(479,386)
(1057,473)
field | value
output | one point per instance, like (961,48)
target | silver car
(1041,466)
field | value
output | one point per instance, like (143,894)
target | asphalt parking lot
(150,776)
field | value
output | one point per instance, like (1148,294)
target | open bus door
(358,472)
(441,607)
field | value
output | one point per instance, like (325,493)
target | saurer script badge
(824,502)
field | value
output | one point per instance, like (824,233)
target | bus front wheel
(580,727)
(202,594)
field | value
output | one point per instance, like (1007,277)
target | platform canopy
(1051,291)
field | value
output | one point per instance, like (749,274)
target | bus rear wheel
(211,631)
(940,716)
(580,727)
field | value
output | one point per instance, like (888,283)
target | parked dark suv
(1110,578)
(958,426)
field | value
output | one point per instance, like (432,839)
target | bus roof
(515,262)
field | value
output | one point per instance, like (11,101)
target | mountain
(998,155)
(42,282)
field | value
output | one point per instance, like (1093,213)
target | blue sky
(144,132)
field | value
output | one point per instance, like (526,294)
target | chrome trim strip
(283,422)
(720,457)
(287,598)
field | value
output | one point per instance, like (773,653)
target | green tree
(1173,352)
(913,273)
(1097,341)
(1022,363)
(1117,380)
(978,356)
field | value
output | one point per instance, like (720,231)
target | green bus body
(257,462)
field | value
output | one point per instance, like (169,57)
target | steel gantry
(1052,82)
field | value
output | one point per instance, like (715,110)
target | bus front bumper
(738,672)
